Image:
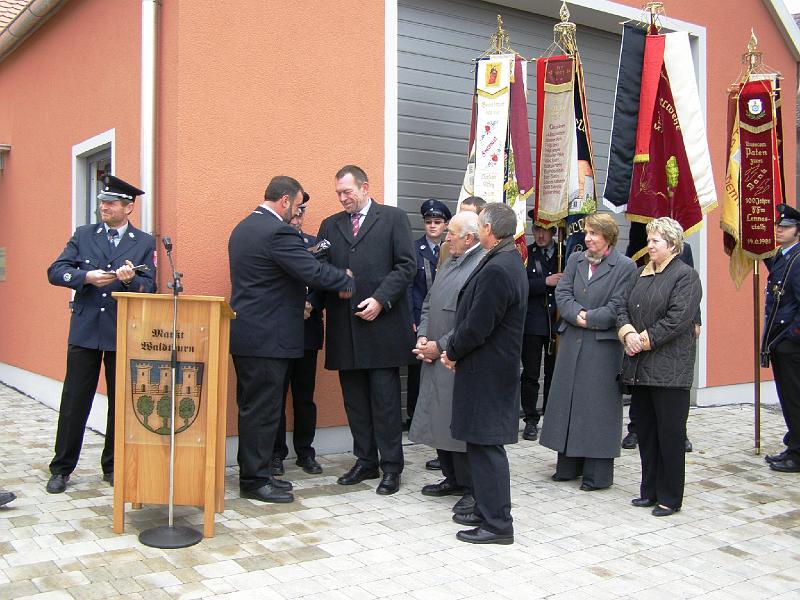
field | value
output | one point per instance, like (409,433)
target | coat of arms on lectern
(151,393)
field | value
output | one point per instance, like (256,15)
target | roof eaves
(9,9)
(32,15)
(787,25)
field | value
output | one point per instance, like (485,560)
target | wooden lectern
(143,397)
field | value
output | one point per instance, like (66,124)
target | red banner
(663,186)
(760,169)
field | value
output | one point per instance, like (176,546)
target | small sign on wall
(2,264)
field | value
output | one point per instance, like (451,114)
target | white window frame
(80,152)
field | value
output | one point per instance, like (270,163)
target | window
(91,159)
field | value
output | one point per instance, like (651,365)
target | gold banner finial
(753,57)
(752,45)
(564,32)
(564,12)
(654,10)
(500,41)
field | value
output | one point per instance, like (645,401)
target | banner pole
(756,359)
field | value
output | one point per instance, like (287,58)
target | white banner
(493,89)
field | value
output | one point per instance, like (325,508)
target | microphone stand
(169,536)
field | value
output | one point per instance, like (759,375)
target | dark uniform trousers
(491,487)
(785,359)
(372,404)
(533,347)
(259,394)
(301,374)
(661,415)
(80,384)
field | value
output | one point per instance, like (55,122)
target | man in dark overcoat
(99,259)
(370,335)
(485,350)
(540,334)
(269,269)
(435,216)
(781,337)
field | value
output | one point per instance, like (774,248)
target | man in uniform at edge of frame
(781,338)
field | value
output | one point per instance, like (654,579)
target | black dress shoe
(280,484)
(557,477)
(357,474)
(57,483)
(443,488)
(465,505)
(531,432)
(773,458)
(481,536)
(6,497)
(276,465)
(309,465)
(109,478)
(664,511)
(470,519)
(390,483)
(629,441)
(643,502)
(787,465)
(268,493)
(687,446)
(433,465)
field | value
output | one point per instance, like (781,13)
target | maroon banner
(663,186)
(760,170)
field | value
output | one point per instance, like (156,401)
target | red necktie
(356,219)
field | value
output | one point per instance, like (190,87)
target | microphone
(167,241)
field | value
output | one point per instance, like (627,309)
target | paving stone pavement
(737,536)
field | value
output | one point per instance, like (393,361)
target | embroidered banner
(585,199)
(739,265)
(555,138)
(760,187)
(491,131)
(663,186)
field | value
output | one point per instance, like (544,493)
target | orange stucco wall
(729,318)
(66,84)
(246,91)
(270,88)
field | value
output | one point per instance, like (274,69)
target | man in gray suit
(431,424)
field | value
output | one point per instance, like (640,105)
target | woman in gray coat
(583,420)
(657,327)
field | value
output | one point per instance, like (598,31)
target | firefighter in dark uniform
(781,340)
(435,215)
(539,335)
(302,376)
(101,258)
